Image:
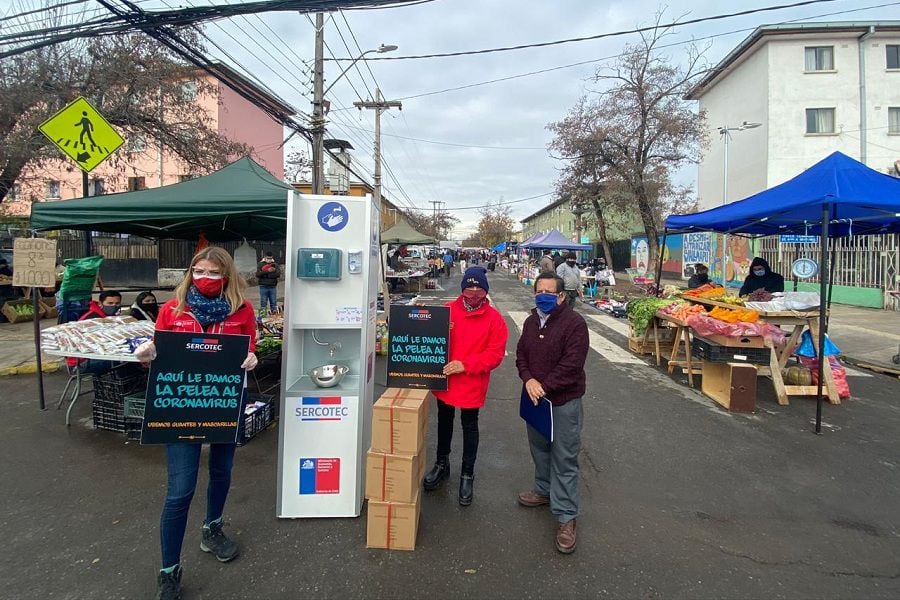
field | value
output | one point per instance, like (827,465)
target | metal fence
(870,261)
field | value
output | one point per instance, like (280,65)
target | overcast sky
(509,116)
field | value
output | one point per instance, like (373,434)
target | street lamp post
(725,132)
(318,116)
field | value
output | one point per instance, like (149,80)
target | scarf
(207,310)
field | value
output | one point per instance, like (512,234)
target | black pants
(469,419)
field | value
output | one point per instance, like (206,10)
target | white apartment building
(812,88)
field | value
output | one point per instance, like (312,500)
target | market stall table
(780,355)
(682,342)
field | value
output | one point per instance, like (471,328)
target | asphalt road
(679,500)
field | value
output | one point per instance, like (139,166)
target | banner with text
(195,388)
(418,347)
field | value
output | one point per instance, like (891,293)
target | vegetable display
(760,295)
(681,311)
(729,315)
(641,310)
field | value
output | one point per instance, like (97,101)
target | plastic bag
(705,326)
(837,370)
(79,278)
(801,300)
(807,349)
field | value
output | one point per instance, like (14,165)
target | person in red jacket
(208,300)
(108,305)
(477,345)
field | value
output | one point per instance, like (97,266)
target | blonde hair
(233,291)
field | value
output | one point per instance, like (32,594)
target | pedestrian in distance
(571,276)
(550,357)
(546,265)
(209,300)
(267,274)
(478,337)
(448,263)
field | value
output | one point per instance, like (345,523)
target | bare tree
(437,225)
(141,89)
(638,131)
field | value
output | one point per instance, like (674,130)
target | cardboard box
(398,424)
(733,385)
(393,477)
(393,525)
(406,393)
(747,341)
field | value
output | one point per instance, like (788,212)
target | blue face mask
(545,302)
(759,272)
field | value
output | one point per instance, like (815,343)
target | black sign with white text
(195,388)
(418,347)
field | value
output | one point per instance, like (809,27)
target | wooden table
(682,338)
(779,356)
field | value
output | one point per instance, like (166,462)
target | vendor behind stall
(761,277)
(109,305)
(700,276)
(145,307)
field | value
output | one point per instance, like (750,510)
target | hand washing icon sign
(332,216)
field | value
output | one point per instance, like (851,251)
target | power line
(602,35)
(458,145)
(501,203)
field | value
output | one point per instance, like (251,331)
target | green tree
(496,225)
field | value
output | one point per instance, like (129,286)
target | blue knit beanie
(475,277)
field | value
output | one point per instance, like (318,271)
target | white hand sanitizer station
(328,354)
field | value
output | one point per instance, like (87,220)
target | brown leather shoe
(532,499)
(565,537)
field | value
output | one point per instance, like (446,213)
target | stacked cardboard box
(395,465)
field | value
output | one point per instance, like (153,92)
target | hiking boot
(168,585)
(466,489)
(215,541)
(439,472)
(565,537)
(532,499)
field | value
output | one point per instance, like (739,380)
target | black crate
(258,420)
(704,350)
(133,428)
(110,389)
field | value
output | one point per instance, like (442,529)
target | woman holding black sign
(477,346)
(208,300)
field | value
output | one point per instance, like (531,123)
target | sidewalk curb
(30,368)
(869,365)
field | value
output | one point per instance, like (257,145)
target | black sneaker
(218,543)
(168,585)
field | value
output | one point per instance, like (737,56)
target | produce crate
(9,310)
(133,428)
(110,390)
(639,345)
(703,349)
(258,420)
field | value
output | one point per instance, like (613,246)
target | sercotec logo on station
(330,408)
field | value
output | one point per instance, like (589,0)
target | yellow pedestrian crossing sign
(82,134)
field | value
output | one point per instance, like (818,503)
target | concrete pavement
(679,499)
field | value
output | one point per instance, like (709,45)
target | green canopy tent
(403,233)
(239,201)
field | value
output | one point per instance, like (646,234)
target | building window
(188,91)
(136,183)
(15,193)
(894,120)
(52,188)
(820,58)
(893,56)
(136,143)
(819,120)
(98,187)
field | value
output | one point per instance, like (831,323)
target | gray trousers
(556,464)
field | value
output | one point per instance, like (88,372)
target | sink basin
(328,376)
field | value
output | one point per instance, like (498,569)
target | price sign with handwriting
(34,262)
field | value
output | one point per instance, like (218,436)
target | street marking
(617,325)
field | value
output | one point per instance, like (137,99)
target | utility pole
(378,106)
(434,217)
(318,117)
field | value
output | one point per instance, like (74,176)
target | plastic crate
(134,407)
(110,390)
(258,420)
(705,350)
(133,428)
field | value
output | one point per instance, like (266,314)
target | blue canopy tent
(836,197)
(554,240)
(501,247)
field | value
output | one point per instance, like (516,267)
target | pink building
(146,165)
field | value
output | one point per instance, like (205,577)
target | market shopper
(571,276)
(761,277)
(267,274)
(477,345)
(546,264)
(448,263)
(208,300)
(145,307)
(550,357)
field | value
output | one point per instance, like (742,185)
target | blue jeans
(183,465)
(267,296)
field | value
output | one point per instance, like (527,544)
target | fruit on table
(733,315)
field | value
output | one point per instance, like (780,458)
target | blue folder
(540,417)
